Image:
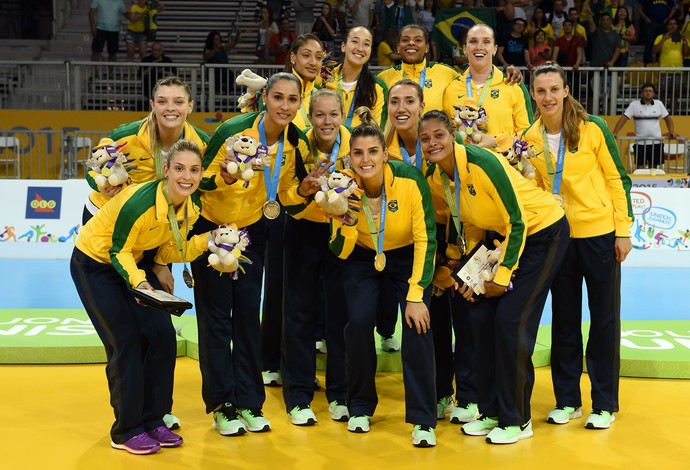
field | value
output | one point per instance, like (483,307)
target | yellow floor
(58,417)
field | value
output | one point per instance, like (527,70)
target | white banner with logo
(40,218)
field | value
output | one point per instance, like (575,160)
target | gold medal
(187,277)
(560,199)
(271,210)
(380,261)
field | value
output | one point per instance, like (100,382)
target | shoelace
(228,411)
(144,440)
(255,412)
(425,428)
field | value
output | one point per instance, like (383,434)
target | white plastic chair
(9,147)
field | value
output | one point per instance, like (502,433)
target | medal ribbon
(271,182)
(554,176)
(485,90)
(422,77)
(333,157)
(406,156)
(453,202)
(340,91)
(376,236)
(172,218)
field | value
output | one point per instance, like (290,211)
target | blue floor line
(647,293)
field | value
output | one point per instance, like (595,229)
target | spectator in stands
(136,30)
(504,13)
(557,17)
(398,15)
(386,53)
(646,114)
(671,48)
(653,15)
(569,51)
(304,15)
(104,22)
(267,28)
(624,27)
(380,14)
(151,22)
(607,41)
(514,49)
(540,52)
(324,27)
(685,31)
(361,12)
(339,13)
(539,21)
(578,29)
(216,52)
(151,75)
(280,43)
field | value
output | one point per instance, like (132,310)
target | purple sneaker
(141,444)
(165,437)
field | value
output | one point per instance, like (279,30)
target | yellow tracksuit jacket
(134,221)
(141,161)
(234,203)
(349,96)
(494,196)
(595,184)
(508,107)
(409,221)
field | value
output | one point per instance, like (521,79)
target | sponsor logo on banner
(43,202)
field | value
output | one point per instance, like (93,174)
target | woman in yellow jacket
(488,195)
(577,161)
(508,108)
(139,341)
(352,79)
(395,237)
(228,308)
(305,61)
(311,268)
(149,140)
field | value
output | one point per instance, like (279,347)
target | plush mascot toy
(226,245)
(109,162)
(490,272)
(517,152)
(467,117)
(249,102)
(334,193)
(244,154)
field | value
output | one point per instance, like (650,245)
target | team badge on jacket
(470,188)
(494,94)
(393,205)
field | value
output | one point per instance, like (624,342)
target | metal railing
(46,154)
(648,155)
(126,86)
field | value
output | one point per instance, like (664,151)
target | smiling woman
(108,260)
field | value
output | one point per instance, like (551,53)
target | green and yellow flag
(452,24)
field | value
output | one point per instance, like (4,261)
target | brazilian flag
(452,24)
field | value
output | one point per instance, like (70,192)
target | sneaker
(226,421)
(165,437)
(423,436)
(302,415)
(464,414)
(509,434)
(390,344)
(141,444)
(599,419)
(272,378)
(171,421)
(321,346)
(563,414)
(358,424)
(479,427)
(443,406)
(338,410)
(253,419)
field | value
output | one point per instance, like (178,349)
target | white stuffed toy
(334,193)
(490,272)
(517,152)
(249,102)
(245,153)
(109,162)
(467,117)
(226,245)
